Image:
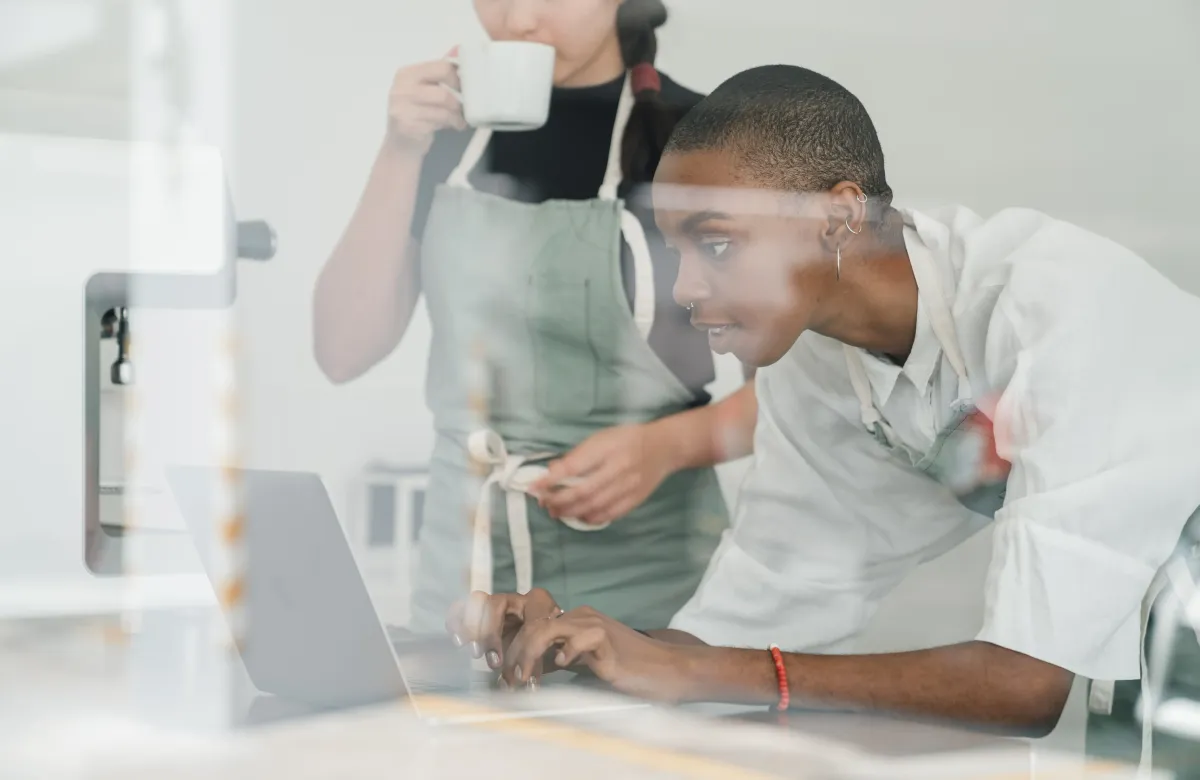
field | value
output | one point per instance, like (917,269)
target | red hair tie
(645,78)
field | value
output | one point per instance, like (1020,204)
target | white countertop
(64,715)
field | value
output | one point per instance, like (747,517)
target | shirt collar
(926,352)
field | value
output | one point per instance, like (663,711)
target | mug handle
(453,60)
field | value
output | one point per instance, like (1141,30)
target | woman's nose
(523,17)
(690,286)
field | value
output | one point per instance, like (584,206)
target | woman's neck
(604,66)
(874,305)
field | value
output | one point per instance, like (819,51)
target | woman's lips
(720,337)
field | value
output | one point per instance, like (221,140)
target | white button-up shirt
(1092,361)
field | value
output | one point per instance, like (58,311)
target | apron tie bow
(515,475)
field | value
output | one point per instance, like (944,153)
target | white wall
(1085,110)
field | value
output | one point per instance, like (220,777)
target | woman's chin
(757,352)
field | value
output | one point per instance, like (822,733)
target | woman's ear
(847,213)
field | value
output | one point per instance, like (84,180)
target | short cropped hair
(793,129)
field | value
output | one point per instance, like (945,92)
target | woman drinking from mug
(535,270)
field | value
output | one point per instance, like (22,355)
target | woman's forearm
(675,637)
(712,434)
(366,293)
(973,682)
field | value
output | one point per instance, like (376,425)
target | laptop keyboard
(425,686)
(437,667)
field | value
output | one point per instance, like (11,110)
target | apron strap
(862,387)
(643,273)
(613,175)
(460,176)
(929,288)
(644,297)
(515,476)
(1100,696)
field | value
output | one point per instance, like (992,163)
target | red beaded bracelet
(785,695)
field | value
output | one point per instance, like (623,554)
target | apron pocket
(564,361)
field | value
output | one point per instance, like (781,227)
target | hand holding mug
(499,85)
(422,101)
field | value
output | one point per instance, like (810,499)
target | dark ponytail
(653,120)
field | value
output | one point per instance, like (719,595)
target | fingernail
(493,658)
(476,650)
(517,674)
(561,659)
(502,684)
(533,685)
(457,640)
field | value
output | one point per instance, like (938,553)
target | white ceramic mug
(506,85)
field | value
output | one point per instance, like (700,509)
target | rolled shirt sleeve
(1100,426)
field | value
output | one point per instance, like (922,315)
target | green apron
(534,350)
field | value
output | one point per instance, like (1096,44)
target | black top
(566,160)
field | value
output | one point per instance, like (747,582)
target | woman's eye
(715,247)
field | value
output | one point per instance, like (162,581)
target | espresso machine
(119,260)
(135,246)
(98,237)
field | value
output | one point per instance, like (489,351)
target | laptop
(314,636)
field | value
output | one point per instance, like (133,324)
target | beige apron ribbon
(515,475)
(941,320)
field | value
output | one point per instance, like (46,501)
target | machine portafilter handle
(122,370)
(256,240)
